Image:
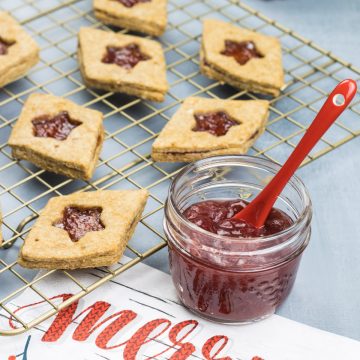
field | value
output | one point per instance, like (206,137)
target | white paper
(147,296)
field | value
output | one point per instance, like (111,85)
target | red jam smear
(215,123)
(242,51)
(58,127)
(217,217)
(221,292)
(131,3)
(4,46)
(126,56)
(79,221)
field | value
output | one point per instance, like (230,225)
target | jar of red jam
(223,270)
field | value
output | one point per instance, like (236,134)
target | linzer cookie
(122,63)
(146,16)
(83,230)
(18,51)
(1,238)
(59,136)
(242,58)
(207,127)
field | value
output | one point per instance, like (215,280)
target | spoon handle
(258,210)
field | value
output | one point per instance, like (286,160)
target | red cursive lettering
(124,318)
(87,325)
(219,341)
(152,330)
(141,337)
(186,349)
(62,320)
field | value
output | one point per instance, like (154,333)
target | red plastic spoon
(258,210)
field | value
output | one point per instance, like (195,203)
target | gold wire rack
(132,124)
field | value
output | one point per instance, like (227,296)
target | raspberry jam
(215,123)
(131,3)
(224,269)
(127,56)
(217,218)
(4,46)
(79,221)
(241,51)
(58,127)
(229,296)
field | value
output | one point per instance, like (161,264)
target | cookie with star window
(207,127)
(122,63)
(18,51)
(146,16)
(242,58)
(59,136)
(83,230)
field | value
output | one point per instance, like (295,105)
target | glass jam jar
(227,279)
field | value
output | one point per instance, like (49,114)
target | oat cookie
(206,127)
(18,51)
(1,238)
(146,16)
(83,230)
(59,136)
(242,58)
(122,63)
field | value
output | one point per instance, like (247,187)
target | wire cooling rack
(132,124)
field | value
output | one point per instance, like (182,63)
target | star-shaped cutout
(131,3)
(242,51)
(79,221)
(4,46)
(215,123)
(58,127)
(126,56)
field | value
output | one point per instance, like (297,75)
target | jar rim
(295,181)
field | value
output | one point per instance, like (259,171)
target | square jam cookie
(18,51)
(242,58)
(1,238)
(122,63)
(146,16)
(207,127)
(59,136)
(83,230)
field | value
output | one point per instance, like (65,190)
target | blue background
(327,291)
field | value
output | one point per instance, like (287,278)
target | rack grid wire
(132,124)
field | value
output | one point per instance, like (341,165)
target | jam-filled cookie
(207,127)
(18,51)
(122,63)
(242,58)
(146,16)
(83,230)
(59,136)
(1,238)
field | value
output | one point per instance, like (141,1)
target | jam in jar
(224,269)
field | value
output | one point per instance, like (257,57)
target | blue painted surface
(327,291)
